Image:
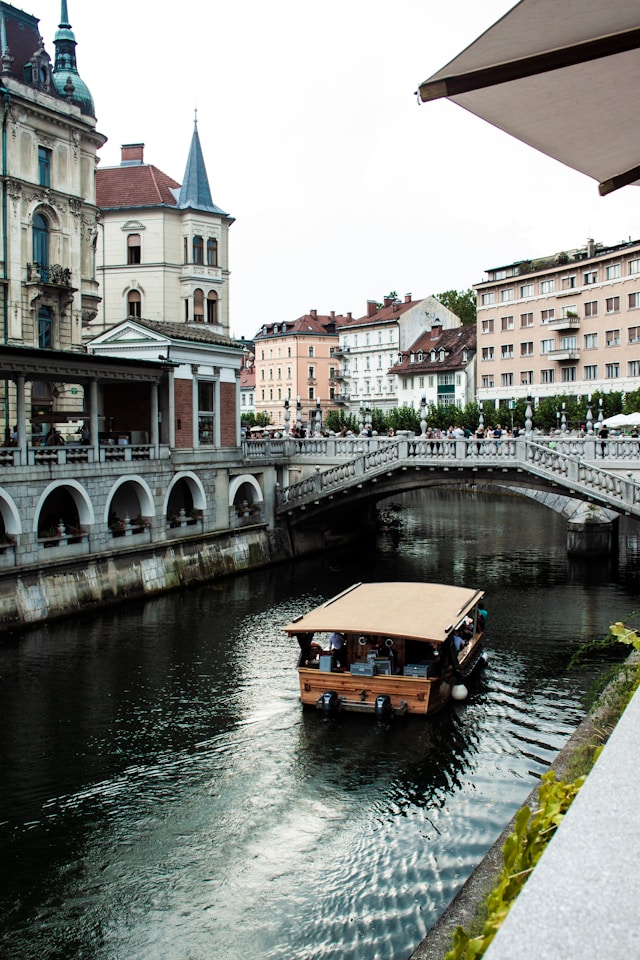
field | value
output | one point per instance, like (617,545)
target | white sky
(342,187)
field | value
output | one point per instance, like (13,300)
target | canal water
(164,795)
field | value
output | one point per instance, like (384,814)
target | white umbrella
(622,420)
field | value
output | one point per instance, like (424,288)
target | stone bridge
(340,470)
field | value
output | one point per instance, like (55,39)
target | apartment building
(294,362)
(440,367)
(370,346)
(565,324)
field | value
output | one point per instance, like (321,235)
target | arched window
(198,250)
(212,308)
(134,304)
(198,306)
(212,252)
(45,328)
(41,241)
(133,248)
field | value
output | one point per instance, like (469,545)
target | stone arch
(245,487)
(186,491)
(10,514)
(75,492)
(135,500)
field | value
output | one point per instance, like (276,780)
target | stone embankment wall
(60,589)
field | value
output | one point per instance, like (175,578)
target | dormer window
(420,356)
(399,358)
(433,356)
(411,357)
(441,356)
(465,355)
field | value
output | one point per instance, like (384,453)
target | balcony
(341,398)
(564,323)
(564,354)
(55,274)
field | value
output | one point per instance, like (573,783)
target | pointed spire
(65,70)
(195,192)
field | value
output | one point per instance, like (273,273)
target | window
(546,316)
(526,290)
(568,283)
(569,374)
(591,371)
(206,412)
(311,352)
(634,301)
(487,298)
(311,373)
(547,376)
(569,343)
(506,295)
(212,252)
(546,346)
(44,167)
(198,306)
(133,248)
(506,351)
(134,304)
(591,308)
(487,382)
(526,349)
(526,378)
(634,266)
(612,305)
(198,250)
(45,328)
(212,308)
(526,319)
(41,241)
(570,312)
(612,338)
(634,368)
(487,353)
(590,277)
(634,334)
(612,371)
(488,326)
(506,380)
(590,341)
(612,272)
(506,323)
(547,286)
(312,393)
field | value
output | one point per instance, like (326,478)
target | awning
(561,77)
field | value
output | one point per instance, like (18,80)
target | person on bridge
(603,435)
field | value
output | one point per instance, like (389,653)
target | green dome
(65,70)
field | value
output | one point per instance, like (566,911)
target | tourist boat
(407,648)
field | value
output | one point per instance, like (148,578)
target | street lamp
(318,417)
(600,413)
(287,417)
(564,419)
(299,416)
(589,416)
(423,421)
(528,416)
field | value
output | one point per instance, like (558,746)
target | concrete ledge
(582,898)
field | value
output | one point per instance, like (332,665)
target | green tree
(462,303)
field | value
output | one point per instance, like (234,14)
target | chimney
(333,314)
(591,248)
(132,153)
(436,330)
(388,301)
(407,298)
(349,316)
(314,314)
(372,308)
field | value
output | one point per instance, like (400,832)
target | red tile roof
(451,341)
(138,185)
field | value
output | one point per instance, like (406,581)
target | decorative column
(367,414)
(589,417)
(361,418)
(21,418)
(155,416)
(318,429)
(299,416)
(600,413)
(423,420)
(287,417)
(528,418)
(563,420)
(94,423)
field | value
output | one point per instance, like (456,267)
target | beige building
(294,362)
(49,219)
(371,345)
(567,324)
(163,250)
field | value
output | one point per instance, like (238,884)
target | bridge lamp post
(287,417)
(564,419)
(557,420)
(361,417)
(423,410)
(589,416)
(299,415)
(367,414)
(528,417)
(318,417)
(600,413)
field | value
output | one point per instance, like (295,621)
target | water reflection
(163,794)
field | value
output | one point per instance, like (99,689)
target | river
(164,795)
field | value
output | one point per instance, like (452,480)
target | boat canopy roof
(416,611)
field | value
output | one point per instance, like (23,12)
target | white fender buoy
(459,691)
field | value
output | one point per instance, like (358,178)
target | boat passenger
(482,618)
(337,648)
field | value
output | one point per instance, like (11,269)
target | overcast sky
(343,188)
